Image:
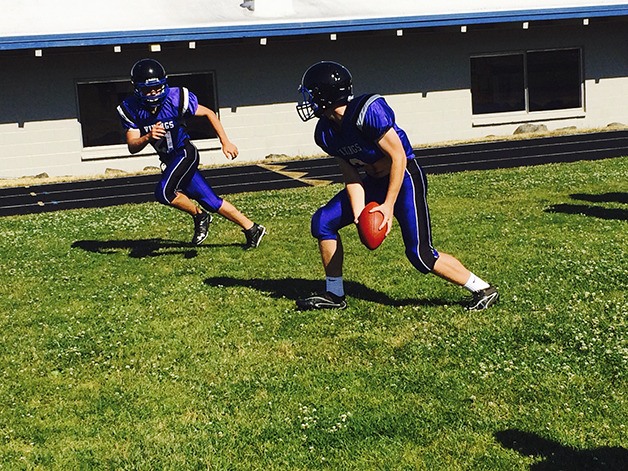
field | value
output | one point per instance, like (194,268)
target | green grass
(122,347)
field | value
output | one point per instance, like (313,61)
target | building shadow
(557,457)
(142,248)
(597,211)
(294,288)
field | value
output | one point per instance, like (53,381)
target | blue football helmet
(325,85)
(146,76)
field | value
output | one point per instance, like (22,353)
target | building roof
(64,23)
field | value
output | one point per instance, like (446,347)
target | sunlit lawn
(122,347)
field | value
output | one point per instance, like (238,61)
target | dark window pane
(97,101)
(99,120)
(497,84)
(554,80)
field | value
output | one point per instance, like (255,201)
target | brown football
(368,224)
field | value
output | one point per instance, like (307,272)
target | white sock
(474,284)
(335,285)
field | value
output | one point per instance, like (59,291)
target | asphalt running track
(302,173)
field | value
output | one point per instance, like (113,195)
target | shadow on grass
(293,288)
(602,198)
(594,211)
(142,248)
(560,457)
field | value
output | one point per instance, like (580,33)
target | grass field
(122,347)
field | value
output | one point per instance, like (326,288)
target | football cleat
(483,299)
(325,300)
(254,236)
(201,227)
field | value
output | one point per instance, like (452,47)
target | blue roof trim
(301,28)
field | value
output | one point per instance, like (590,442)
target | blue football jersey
(179,104)
(366,120)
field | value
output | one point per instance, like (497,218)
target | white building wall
(40,145)
(424,76)
(264,130)
(607,101)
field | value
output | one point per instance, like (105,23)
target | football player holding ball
(361,132)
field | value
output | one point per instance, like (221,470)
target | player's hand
(230,150)
(388,211)
(157,132)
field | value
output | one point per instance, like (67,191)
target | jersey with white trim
(179,104)
(367,118)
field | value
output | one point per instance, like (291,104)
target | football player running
(361,132)
(156,114)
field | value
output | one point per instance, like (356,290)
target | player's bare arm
(136,142)
(353,184)
(391,145)
(228,148)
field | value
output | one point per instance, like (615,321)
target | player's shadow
(557,457)
(616,197)
(594,210)
(294,288)
(141,248)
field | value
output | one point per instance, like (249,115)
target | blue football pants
(182,175)
(411,212)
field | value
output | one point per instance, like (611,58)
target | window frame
(525,115)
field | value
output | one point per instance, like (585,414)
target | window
(497,84)
(554,80)
(99,120)
(529,81)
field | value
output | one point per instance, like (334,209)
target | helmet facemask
(145,92)
(307,108)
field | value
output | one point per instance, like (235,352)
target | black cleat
(254,236)
(201,227)
(483,299)
(322,301)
